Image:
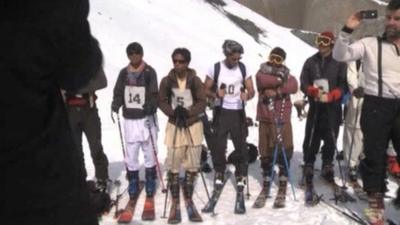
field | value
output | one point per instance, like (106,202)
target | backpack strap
(379,66)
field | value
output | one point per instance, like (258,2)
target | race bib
(134,97)
(181,97)
(322,84)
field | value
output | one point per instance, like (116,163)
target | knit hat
(328,34)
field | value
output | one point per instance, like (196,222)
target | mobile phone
(369,14)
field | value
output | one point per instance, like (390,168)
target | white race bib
(181,97)
(322,84)
(134,97)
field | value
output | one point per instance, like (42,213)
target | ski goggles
(277,59)
(323,41)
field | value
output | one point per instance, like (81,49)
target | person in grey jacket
(381,107)
(84,118)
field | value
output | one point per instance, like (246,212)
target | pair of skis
(239,203)
(126,215)
(261,199)
(175,213)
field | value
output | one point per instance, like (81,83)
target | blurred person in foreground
(381,107)
(45,46)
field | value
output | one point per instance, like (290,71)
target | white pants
(137,136)
(352,138)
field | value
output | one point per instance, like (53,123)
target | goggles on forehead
(323,41)
(274,58)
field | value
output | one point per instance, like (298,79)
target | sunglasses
(323,41)
(277,59)
(178,61)
(237,59)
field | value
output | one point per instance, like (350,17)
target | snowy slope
(162,25)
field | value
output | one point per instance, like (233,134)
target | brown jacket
(194,84)
(267,80)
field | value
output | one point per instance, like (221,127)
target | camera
(369,14)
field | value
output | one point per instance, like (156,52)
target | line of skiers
(324,80)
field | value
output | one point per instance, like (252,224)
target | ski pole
(122,141)
(188,133)
(353,134)
(172,162)
(156,158)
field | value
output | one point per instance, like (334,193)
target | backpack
(217,70)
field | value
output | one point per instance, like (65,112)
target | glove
(313,91)
(149,109)
(332,96)
(181,114)
(358,92)
(114,107)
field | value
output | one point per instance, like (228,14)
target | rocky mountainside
(318,15)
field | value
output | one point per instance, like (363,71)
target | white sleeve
(352,75)
(343,51)
(210,73)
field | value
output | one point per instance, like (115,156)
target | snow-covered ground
(161,26)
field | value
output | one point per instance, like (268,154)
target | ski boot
(150,175)
(375,210)
(311,197)
(150,185)
(175,210)
(239,204)
(327,172)
(188,189)
(218,180)
(133,187)
(281,195)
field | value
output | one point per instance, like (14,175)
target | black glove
(149,109)
(114,107)
(181,114)
(358,92)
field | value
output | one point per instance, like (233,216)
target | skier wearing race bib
(231,86)
(183,100)
(136,90)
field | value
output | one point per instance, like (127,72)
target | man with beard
(381,107)
(45,46)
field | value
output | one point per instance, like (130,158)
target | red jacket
(266,79)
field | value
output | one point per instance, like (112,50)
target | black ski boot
(175,210)
(239,204)
(311,197)
(327,172)
(218,180)
(133,188)
(188,189)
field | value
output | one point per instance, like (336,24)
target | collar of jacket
(190,74)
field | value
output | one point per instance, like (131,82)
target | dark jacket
(42,173)
(147,79)
(335,72)
(194,84)
(266,79)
